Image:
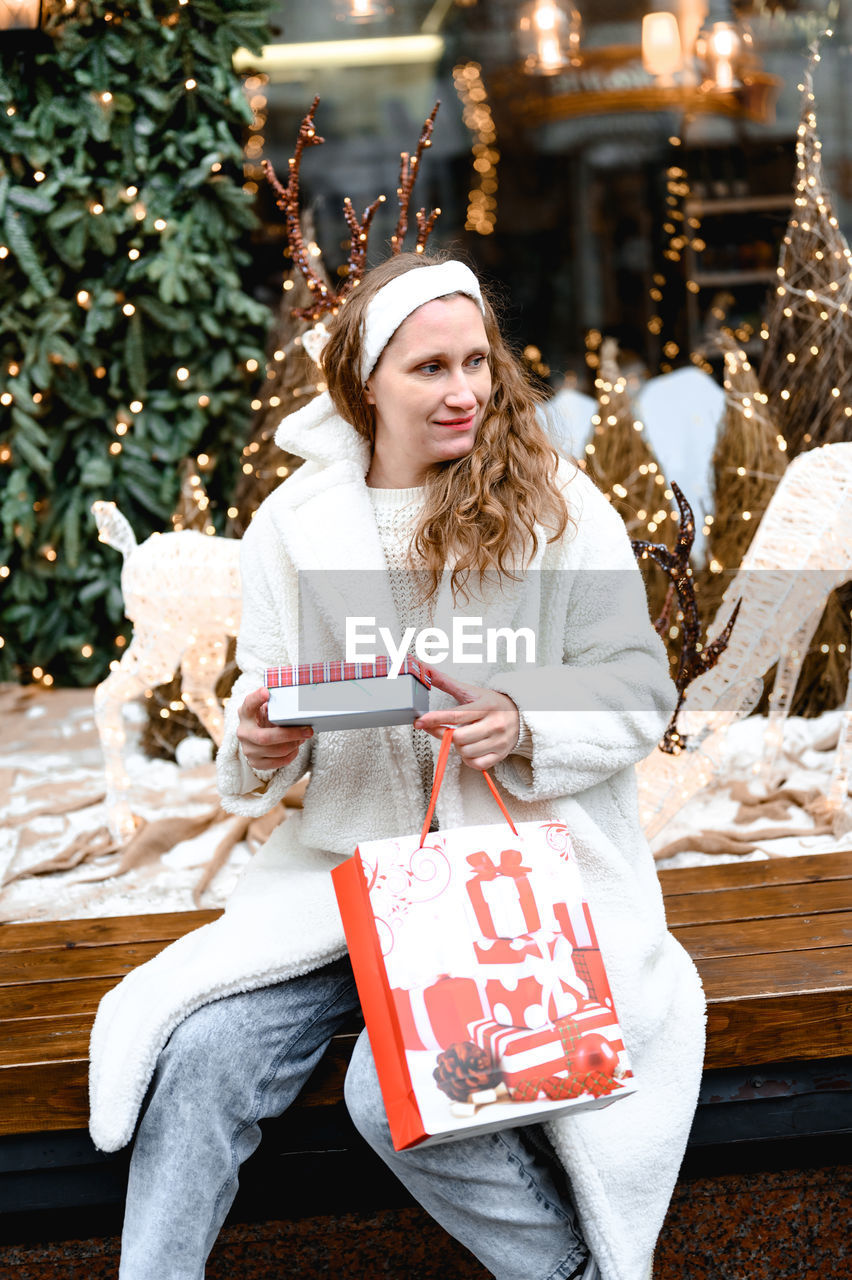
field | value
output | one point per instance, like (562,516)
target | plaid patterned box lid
(329,672)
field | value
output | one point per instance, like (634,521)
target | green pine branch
(123,261)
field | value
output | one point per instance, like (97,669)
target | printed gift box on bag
(483,988)
(347,695)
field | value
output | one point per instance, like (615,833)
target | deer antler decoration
(287,199)
(694,659)
(408,170)
(327,300)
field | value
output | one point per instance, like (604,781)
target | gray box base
(349,704)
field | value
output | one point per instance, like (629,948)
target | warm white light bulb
(544,16)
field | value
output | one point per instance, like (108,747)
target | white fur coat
(596,703)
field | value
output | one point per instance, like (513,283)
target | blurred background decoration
(625,174)
(658,194)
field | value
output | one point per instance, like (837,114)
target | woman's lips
(457,424)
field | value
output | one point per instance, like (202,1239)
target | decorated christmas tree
(128,340)
(749,459)
(291,381)
(623,464)
(807,360)
(807,369)
(620,461)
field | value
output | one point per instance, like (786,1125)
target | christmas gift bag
(480,976)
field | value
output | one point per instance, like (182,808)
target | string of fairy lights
(254,87)
(481,214)
(682,225)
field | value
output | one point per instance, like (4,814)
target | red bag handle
(440,766)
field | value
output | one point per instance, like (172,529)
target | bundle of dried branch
(620,460)
(749,460)
(807,361)
(292,380)
(191,509)
(825,672)
(696,658)
(623,464)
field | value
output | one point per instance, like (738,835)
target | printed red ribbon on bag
(501,895)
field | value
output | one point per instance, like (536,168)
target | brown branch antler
(359,234)
(408,170)
(327,299)
(695,660)
(287,199)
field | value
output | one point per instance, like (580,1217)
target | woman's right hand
(267,746)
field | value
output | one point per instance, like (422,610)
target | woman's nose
(460,392)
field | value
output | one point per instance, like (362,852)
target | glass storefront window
(604,197)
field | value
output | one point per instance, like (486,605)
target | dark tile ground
(767,1225)
(793,1224)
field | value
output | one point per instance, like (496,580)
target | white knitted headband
(396,300)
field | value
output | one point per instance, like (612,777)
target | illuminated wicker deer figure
(798,556)
(182,594)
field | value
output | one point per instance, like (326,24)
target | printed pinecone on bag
(464,1069)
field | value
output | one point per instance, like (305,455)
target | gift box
(501,895)
(575,923)
(347,695)
(504,951)
(540,987)
(575,1057)
(437,1016)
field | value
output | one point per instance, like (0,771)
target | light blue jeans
(245,1057)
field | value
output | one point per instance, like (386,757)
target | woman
(423,456)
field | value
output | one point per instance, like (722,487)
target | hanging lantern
(21,15)
(719,48)
(360,10)
(662,56)
(549,36)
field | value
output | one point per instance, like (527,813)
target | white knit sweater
(397,512)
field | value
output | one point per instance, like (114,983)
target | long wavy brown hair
(481,510)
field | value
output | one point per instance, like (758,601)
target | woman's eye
(476,362)
(431,367)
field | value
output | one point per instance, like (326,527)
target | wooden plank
(764,902)
(34,1041)
(802,973)
(755,937)
(772,1029)
(54,1095)
(738,875)
(101,931)
(67,965)
(325,1087)
(52,999)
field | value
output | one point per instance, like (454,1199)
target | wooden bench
(772,941)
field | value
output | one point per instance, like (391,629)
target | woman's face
(429,389)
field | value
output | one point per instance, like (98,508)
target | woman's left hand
(487,723)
